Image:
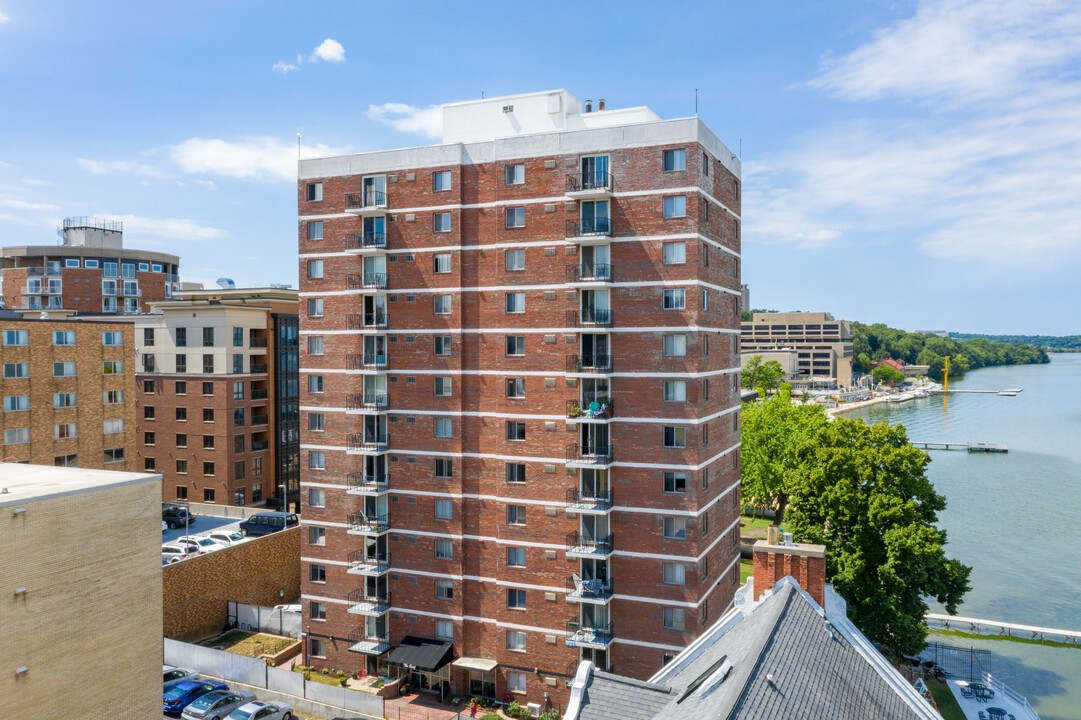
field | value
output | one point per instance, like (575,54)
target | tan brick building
(69,393)
(81,605)
(823,345)
(520,396)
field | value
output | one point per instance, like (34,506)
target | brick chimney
(774,559)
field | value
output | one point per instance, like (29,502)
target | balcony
(366,321)
(361,641)
(366,203)
(367,444)
(589,502)
(259,445)
(363,603)
(33,290)
(596,363)
(366,484)
(580,545)
(589,273)
(359,361)
(595,592)
(366,403)
(108,291)
(589,316)
(368,280)
(579,635)
(367,241)
(595,410)
(588,231)
(589,455)
(43,271)
(370,525)
(257,368)
(31,303)
(133,292)
(257,342)
(369,564)
(259,393)
(257,420)
(590,185)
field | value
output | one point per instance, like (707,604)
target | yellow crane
(946,384)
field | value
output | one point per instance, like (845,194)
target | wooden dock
(1008,392)
(1005,628)
(970,447)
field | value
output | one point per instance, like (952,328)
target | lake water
(1015,518)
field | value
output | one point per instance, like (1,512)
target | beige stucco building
(823,345)
(81,600)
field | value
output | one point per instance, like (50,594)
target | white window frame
(675,253)
(441,263)
(677,344)
(514,260)
(675,391)
(674,299)
(677,158)
(674,206)
(442,304)
(514,217)
(437,180)
(442,222)
(514,303)
(674,573)
(313,272)
(514,174)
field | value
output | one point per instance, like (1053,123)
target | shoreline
(847,407)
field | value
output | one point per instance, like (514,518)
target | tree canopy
(887,375)
(766,375)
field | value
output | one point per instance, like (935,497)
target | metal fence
(966,663)
(260,618)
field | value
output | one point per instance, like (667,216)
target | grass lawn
(947,703)
(746,569)
(753,527)
(319,677)
(250,644)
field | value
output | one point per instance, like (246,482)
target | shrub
(491,716)
(513,708)
(325,671)
(341,673)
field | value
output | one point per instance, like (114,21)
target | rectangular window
(441,262)
(315,307)
(181,364)
(315,383)
(675,437)
(675,391)
(317,498)
(442,345)
(115,427)
(113,397)
(705,299)
(68,461)
(238,363)
(442,387)
(181,440)
(515,302)
(515,174)
(516,387)
(208,442)
(317,610)
(16,337)
(317,647)
(515,430)
(71,262)
(443,468)
(673,618)
(443,428)
(181,414)
(315,269)
(16,370)
(315,230)
(208,388)
(182,469)
(181,337)
(17,403)
(314,192)
(516,640)
(441,180)
(64,337)
(675,160)
(515,260)
(675,345)
(112,338)
(208,469)
(674,573)
(444,629)
(441,222)
(315,344)
(675,298)
(317,573)
(316,422)
(515,557)
(675,528)
(444,510)
(516,599)
(238,390)
(317,536)
(444,590)
(444,549)
(515,217)
(109,367)
(148,336)
(675,206)
(66,369)
(516,514)
(238,417)
(114,455)
(208,337)
(675,482)
(675,253)
(239,444)
(516,345)
(148,363)
(442,304)
(208,364)
(256,471)
(238,337)
(516,472)
(17,436)
(208,415)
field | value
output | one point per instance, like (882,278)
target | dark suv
(175,517)
(268,522)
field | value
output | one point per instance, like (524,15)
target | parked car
(259,710)
(178,697)
(268,522)
(189,544)
(293,608)
(201,543)
(164,527)
(216,705)
(180,552)
(171,676)
(225,537)
(175,517)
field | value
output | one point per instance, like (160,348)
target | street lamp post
(282,488)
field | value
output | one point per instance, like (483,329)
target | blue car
(174,701)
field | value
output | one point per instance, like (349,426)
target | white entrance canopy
(472,663)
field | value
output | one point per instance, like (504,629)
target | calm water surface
(1015,518)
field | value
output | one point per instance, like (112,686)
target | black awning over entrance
(421,653)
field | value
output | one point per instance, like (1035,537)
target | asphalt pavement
(202,524)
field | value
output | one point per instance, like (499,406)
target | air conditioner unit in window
(508,108)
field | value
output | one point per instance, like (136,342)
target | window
(238,390)
(109,367)
(70,461)
(444,549)
(316,422)
(181,364)
(673,618)
(444,629)
(515,174)
(315,344)
(182,469)
(675,253)
(516,387)
(315,307)
(317,647)
(64,337)
(516,514)
(239,444)
(317,460)
(516,472)
(444,510)
(67,369)
(443,468)
(441,222)
(441,180)
(515,430)
(515,260)
(705,299)
(114,427)
(674,573)
(112,338)
(675,391)
(675,345)
(314,192)
(208,388)
(109,269)
(315,269)
(113,397)
(442,387)
(208,442)
(257,488)
(675,482)
(443,428)
(317,573)
(516,557)
(442,345)
(16,403)
(516,302)
(317,498)
(516,345)
(71,262)
(675,298)
(208,469)
(444,590)
(315,230)
(516,599)
(181,337)
(148,387)
(675,206)
(441,262)
(238,337)
(181,414)
(675,160)
(318,610)
(17,436)
(16,337)
(238,363)
(114,455)
(208,415)
(315,383)
(16,370)
(675,528)
(516,640)
(442,304)
(515,217)
(675,437)
(256,469)
(208,337)
(317,536)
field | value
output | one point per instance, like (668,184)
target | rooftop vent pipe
(600,105)
(589,106)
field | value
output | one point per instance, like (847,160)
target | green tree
(864,494)
(862,363)
(887,375)
(750,371)
(765,375)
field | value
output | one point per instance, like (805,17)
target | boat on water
(901,397)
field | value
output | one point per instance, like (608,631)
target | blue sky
(914,163)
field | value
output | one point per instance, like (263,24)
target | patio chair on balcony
(579,586)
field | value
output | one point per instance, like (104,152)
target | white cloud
(406,118)
(329,51)
(6,166)
(263,158)
(37,183)
(172,228)
(285,68)
(24,205)
(102,167)
(3,18)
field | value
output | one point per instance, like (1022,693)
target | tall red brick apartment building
(520,397)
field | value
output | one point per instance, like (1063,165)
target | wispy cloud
(125,167)
(171,228)
(6,165)
(330,50)
(263,158)
(979,169)
(24,205)
(3,18)
(406,118)
(284,67)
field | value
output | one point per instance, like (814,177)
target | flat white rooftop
(22,484)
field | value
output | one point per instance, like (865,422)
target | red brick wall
(809,572)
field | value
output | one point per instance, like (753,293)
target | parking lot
(202,524)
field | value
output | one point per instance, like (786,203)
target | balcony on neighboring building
(595,591)
(596,409)
(369,564)
(259,442)
(367,483)
(366,321)
(366,403)
(130,291)
(580,634)
(594,363)
(588,230)
(367,443)
(362,641)
(582,545)
(367,360)
(590,185)
(42,271)
(259,390)
(367,280)
(367,241)
(589,455)
(259,420)
(33,289)
(366,602)
(257,338)
(596,273)
(366,203)
(368,525)
(589,501)
(589,316)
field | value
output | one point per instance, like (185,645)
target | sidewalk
(421,706)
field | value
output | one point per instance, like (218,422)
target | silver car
(259,710)
(216,705)
(171,676)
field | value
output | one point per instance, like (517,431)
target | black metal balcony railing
(367,400)
(258,368)
(590,180)
(366,199)
(360,281)
(366,440)
(366,239)
(595,589)
(259,446)
(258,342)
(589,451)
(357,637)
(369,523)
(588,363)
(589,497)
(357,361)
(589,316)
(589,543)
(585,228)
(589,272)
(259,393)
(359,321)
(363,596)
(259,420)
(599,408)
(363,557)
(584,631)
(366,481)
